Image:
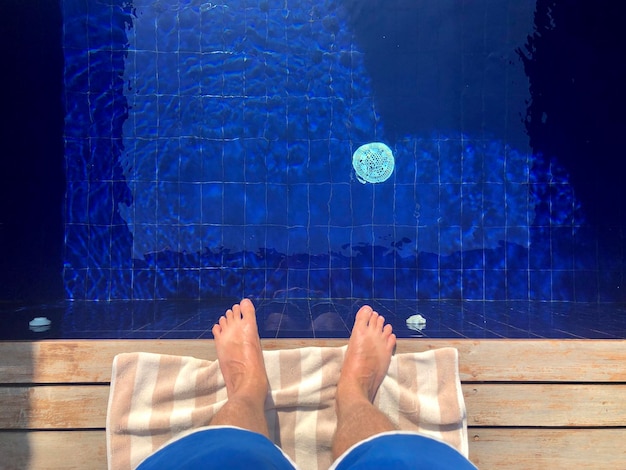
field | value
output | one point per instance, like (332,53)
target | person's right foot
(368,356)
(239,353)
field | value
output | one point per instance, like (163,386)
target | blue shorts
(235,448)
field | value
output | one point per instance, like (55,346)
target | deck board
(532,449)
(480,360)
(546,405)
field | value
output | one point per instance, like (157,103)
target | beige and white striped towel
(156,397)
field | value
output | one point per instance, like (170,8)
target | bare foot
(239,352)
(367,358)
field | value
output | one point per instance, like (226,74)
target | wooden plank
(54,407)
(81,361)
(548,405)
(53,450)
(531,449)
(545,404)
(513,449)
(542,360)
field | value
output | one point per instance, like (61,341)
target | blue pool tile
(323,318)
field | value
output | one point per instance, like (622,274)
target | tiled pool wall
(317,318)
(209,154)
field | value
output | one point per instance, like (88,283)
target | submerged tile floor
(316,318)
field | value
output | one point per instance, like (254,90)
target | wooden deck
(532,404)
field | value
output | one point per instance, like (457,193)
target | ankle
(356,385)
(247,386)
(249,397)
(350,394)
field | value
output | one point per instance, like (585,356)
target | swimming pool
(209,155)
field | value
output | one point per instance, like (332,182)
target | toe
(229,315)
(363,316)
(380,323)
(216,330)
(373,320)
(236,312)
(247,308)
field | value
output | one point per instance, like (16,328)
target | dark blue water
(316,318)
(209,147)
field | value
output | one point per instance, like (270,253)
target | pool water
(209,153)
(317,318)
(205,151)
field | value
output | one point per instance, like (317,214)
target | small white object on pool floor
(416,322)
(39,324)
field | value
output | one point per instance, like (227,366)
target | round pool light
(373,162)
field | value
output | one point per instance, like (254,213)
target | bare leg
(365,366)
(241,361)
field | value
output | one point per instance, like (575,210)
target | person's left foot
(239,352)
(367,358)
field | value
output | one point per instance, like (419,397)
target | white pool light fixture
(373,162)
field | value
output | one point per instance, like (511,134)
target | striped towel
(156,397)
